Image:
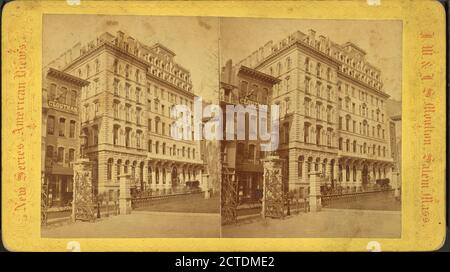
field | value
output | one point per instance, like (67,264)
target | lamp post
(83,144)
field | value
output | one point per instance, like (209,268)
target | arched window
(116,134)
(164,175)
(306,128)
(347,173)
(133,170)
(125,168)
(149,174)
(118,165)
(109,169)
(300,166)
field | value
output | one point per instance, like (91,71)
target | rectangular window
(116,86)
(62,95)
(116,110)
(60,155)
(72,129)
(62,127)
(127,90)
(244,87)
(138,95)
(50,125)
(52,93)
(138,117)
(307,85)
(96,85)
(73,98)
(71,155)
(96,107)
(127,117)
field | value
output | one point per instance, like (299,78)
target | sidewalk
(141,225)
(328,223)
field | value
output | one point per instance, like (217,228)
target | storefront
(60,190)
(250,187)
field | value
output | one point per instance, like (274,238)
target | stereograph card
(223,126)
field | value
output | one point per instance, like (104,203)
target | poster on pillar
(241,119)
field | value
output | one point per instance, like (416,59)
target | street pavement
(141,224)
(328,223)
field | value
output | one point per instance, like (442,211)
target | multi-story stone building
(125,112)
(242,158)
(333,117)
(60,133)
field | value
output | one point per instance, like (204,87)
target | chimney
(312,36)
(120,36)
(227,72)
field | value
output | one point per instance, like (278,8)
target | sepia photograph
(334,90)
(298,134)
(110,166)
(227,126)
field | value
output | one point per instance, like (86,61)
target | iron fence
(350,197)
(143,200)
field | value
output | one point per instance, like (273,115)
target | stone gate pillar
(315,203)
(125,196)
(83,206)
(273,195)
(396,183)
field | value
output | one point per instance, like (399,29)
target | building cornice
(363,85)
(301,45)
(109,46)
(67,77)
(259,75)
